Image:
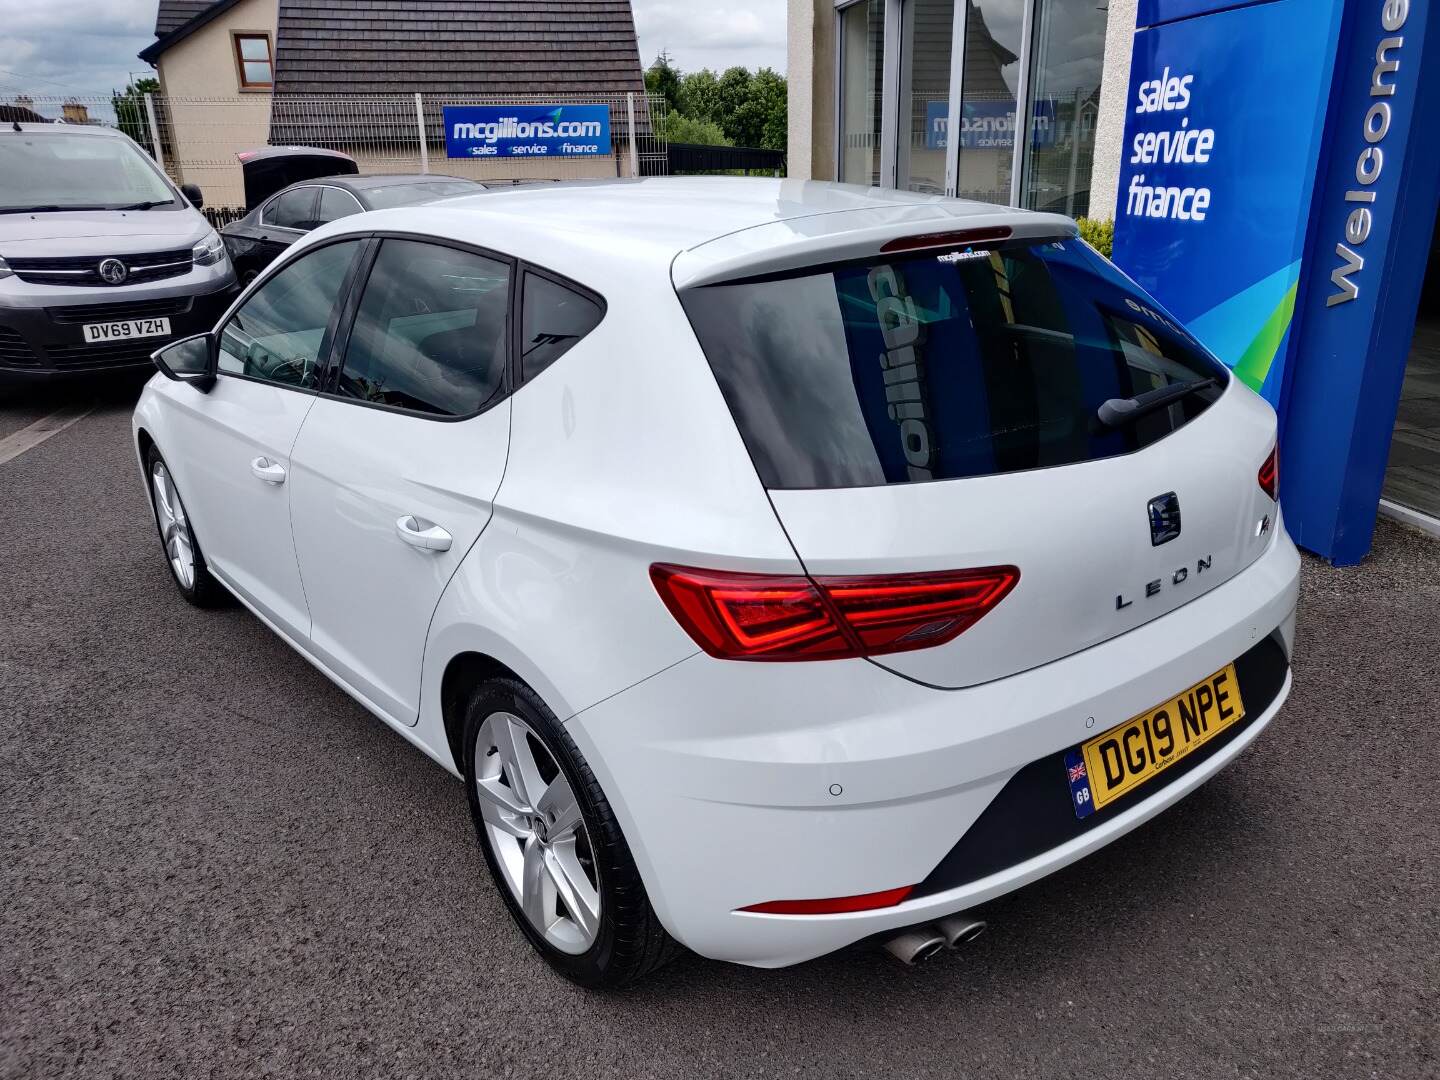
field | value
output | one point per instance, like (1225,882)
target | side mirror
(193,193)
(192,360)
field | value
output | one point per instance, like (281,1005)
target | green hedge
(1098,234)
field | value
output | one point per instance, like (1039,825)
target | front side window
(279,333)
(936,366)
(56,171)
(553,318)
(430,332)
(293,209)
(253,60)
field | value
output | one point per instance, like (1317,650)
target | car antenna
(17,126)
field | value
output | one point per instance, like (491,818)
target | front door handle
(272,472)
(426,535)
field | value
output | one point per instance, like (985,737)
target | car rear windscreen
(938,366)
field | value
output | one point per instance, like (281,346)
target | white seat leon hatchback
(781,565)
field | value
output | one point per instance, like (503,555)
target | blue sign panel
(1279,199)
(1370,240)
(1217,171)
(528,131)
(985,125)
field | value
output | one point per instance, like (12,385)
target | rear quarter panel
(623,453)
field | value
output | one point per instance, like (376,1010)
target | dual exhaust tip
(922,942)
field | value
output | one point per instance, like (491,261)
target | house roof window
(254,62)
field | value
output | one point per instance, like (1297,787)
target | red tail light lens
(1269,476)
(834,905)
(790,617)
(915,611)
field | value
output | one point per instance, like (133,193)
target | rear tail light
(1269,475)
(791,617)
(834,905)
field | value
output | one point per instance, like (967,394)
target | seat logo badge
(112,271)
(1164,518)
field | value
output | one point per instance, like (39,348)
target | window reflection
(1069,50)
(862,55)
(987,116)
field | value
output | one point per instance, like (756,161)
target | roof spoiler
(793,244)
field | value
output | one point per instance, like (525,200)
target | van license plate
(97,332)
(1125,757)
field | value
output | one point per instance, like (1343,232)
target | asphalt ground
(215,864)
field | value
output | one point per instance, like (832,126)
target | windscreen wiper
(44,209)
(148,205)
(1118,411)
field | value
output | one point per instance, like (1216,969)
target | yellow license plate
(1119,761)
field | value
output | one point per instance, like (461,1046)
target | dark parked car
(275,224)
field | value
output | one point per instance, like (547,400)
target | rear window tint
(935,367)
(552,320)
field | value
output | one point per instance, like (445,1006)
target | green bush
(679,128)
(1098,234)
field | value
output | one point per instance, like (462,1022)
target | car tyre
(177,538)
(552,880)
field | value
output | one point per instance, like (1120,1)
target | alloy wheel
(537,832)
(174,525)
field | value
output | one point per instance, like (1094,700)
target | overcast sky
(77,46)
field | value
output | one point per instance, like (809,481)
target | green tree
(130,109)
(679,128)
(662,77)
(700,95)
(732,93)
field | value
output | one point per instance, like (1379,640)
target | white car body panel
(744,755)
(624,453)
(355,472)
(246,521)
(1078,532)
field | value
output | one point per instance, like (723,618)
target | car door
(233,444)
(395,471)
(286,218)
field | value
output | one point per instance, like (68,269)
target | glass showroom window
(1068,53)
(925,36)
(988,89)
(862,53)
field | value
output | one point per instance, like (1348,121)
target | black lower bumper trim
(1033,812)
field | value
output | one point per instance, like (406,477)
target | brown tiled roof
(457,48)
(170,15)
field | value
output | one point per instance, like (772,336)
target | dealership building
(1265,164)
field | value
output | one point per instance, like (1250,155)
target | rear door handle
(426,535)
(272,472)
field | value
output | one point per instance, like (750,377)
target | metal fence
(196,140)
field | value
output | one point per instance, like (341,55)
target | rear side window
(430,333)
(934,367)
(335,204)
(553,318)
(291,209)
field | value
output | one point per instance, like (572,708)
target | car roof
(380,180)
(61,128)
(709,228)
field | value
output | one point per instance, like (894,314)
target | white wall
(1114,95)
(205,135)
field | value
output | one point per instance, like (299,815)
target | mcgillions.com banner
(479,131)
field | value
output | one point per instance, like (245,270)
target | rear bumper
(41,339)
(738,784)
